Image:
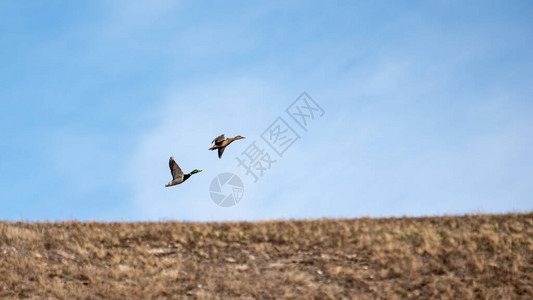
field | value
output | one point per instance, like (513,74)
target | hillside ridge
(470,256)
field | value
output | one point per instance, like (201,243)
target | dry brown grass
(482,256)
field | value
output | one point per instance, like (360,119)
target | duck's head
(239,137)
(195,171)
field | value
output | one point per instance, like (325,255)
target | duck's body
(178,176)
(221,142)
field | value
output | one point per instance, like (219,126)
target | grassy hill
(478,256)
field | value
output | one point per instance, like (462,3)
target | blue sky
(428,107)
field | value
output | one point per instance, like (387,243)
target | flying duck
(177,174)
(222,142)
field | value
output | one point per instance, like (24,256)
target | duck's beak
(200,171)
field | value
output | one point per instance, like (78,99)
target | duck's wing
(220,151)
(219,139)
(175,169)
